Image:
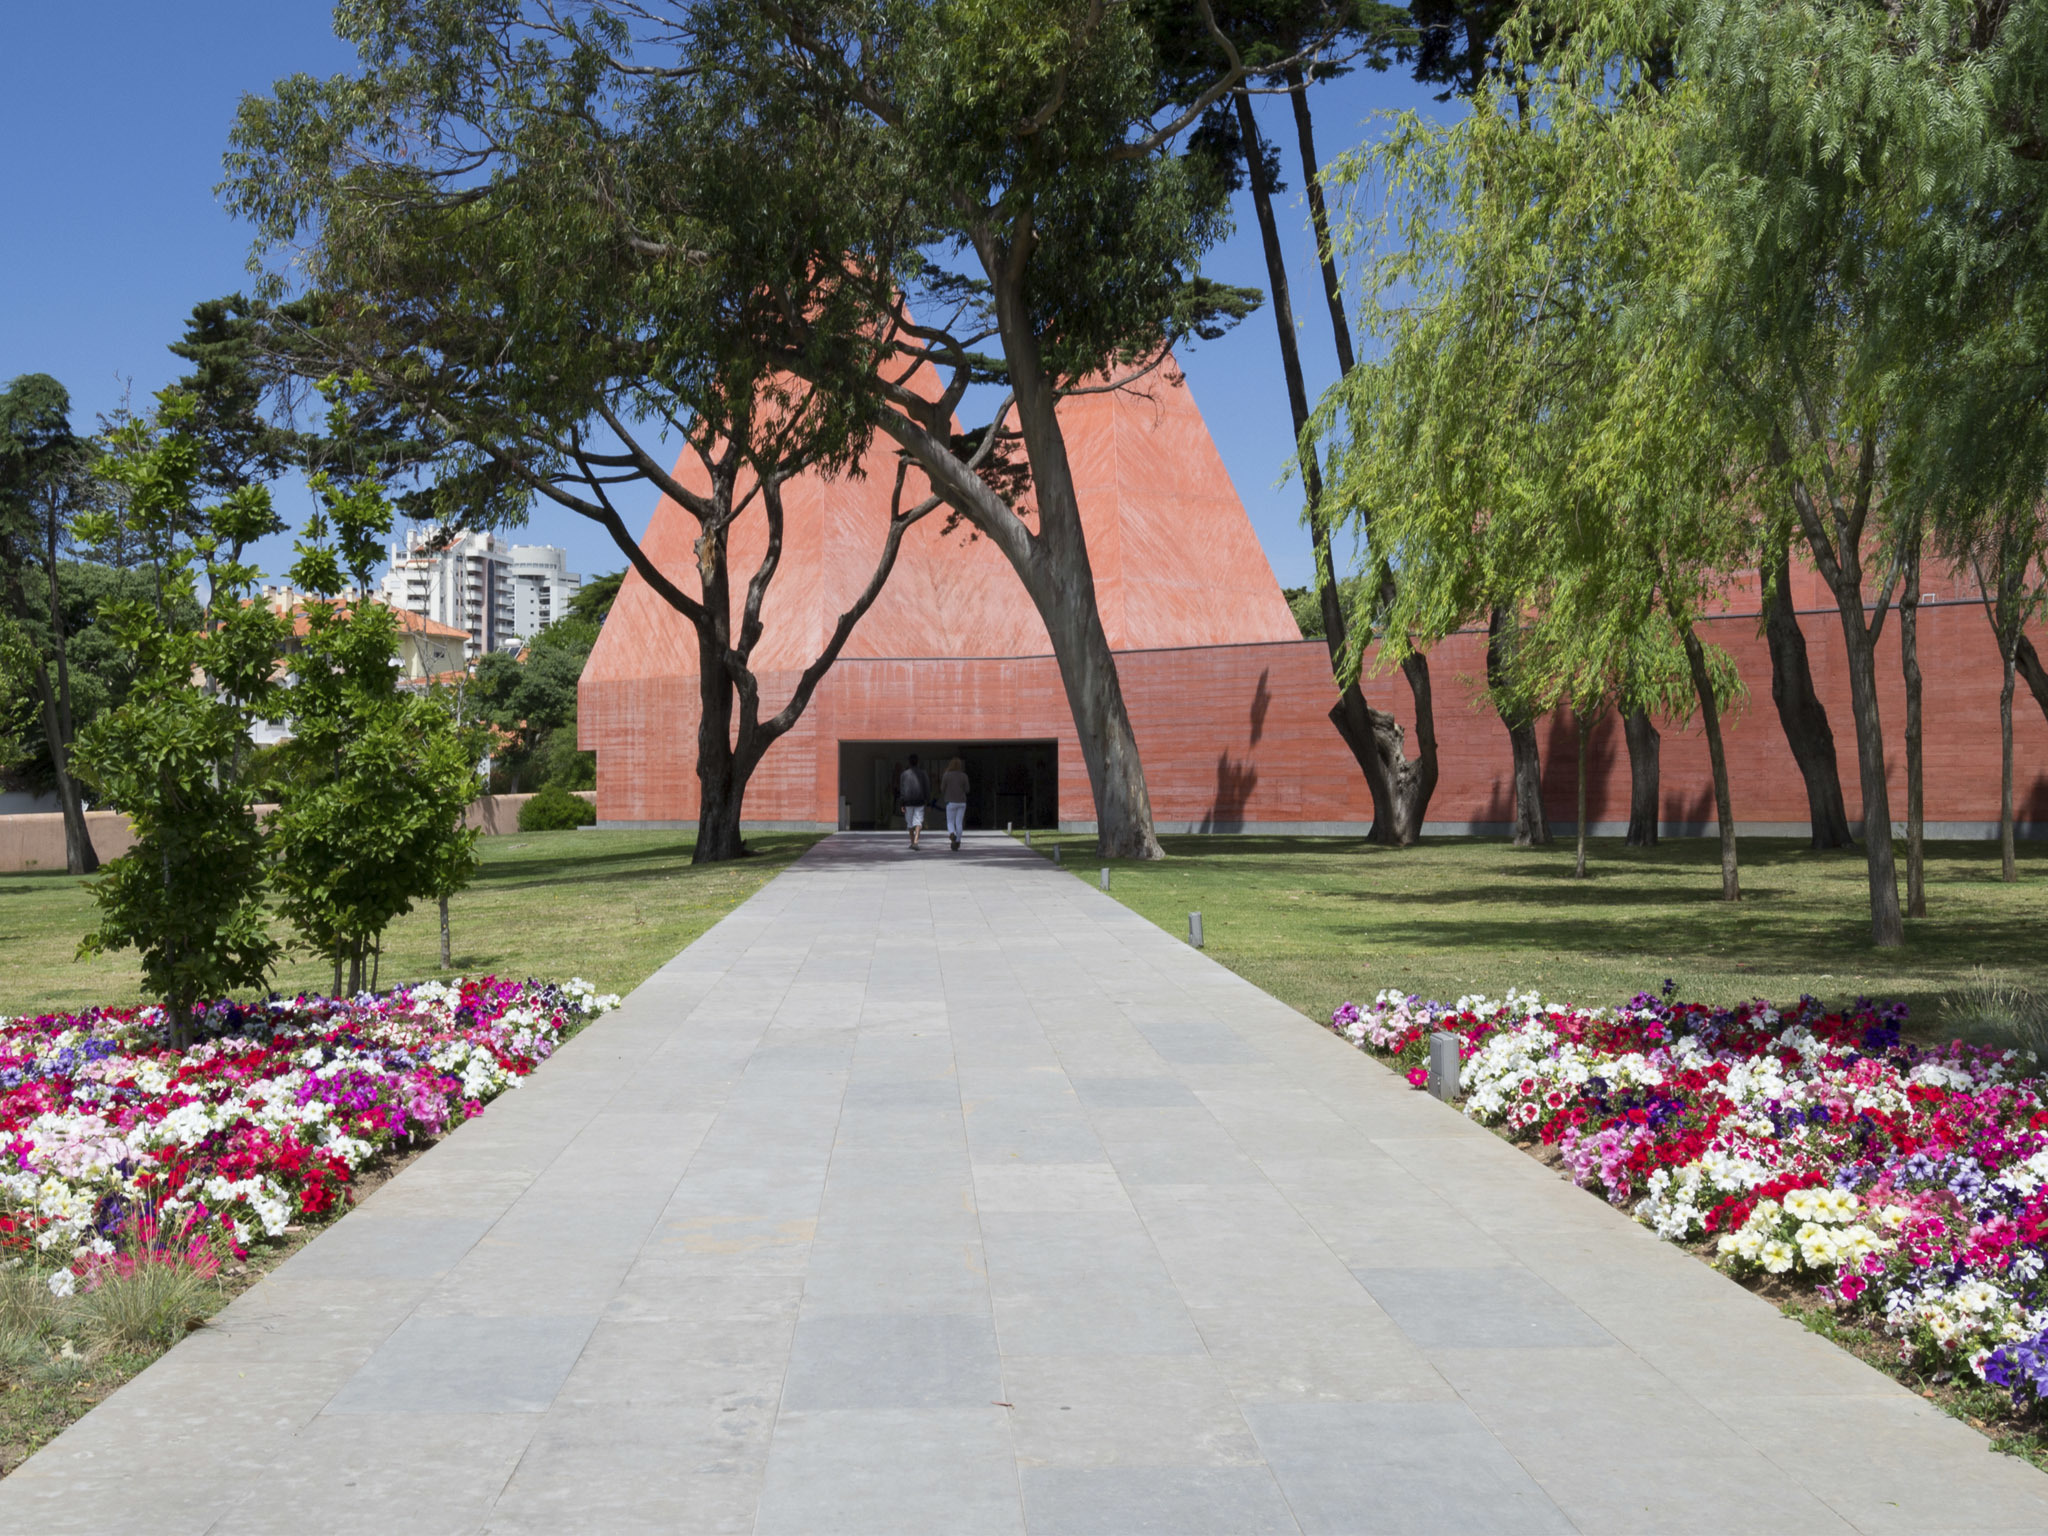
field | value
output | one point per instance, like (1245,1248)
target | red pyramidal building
(1229,703)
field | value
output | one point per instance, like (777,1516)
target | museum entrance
(1011,783)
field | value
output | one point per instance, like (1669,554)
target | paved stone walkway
(944,1195)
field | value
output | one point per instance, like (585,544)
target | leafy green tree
(17,692)
(593,600)
(1193,46)
(43,470)
(531,700)
(2007,552)
(1539,445)
(614,267)
(237,385)
(98,670)
(374,779)
(189,894)
(1871,172)
(1029,145)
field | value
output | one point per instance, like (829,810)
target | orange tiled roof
(412,623)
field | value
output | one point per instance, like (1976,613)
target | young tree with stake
(189,894)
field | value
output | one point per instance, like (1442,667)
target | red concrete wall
(1959,667)
(1237,735)
(1229,734)
(1230,707)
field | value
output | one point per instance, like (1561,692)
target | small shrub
(27,1308)
(150,1307)
(554,809)
(62,1366)
(20,1352)
(1992,1009)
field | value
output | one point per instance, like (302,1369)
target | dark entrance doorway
(1014,783)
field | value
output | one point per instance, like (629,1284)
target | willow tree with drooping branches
(1536,446)
(1872,170)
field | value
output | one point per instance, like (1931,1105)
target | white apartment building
(500,595)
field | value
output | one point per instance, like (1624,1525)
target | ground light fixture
(1443,1065)
(1195,929)
(1105,877)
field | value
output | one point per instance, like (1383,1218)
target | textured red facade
(1230,706)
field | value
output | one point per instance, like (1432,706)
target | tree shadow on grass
(1795,944)
(1594,895)
(627,864)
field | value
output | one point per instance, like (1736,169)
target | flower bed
(110,1141)
(1906,1186)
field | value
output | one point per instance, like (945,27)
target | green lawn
(607,906)
(1315,921)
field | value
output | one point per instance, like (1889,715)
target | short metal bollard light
(1011,826)
(1056,862)
(1195,929)
(1443,1065)
(1027,837)
(1105,877)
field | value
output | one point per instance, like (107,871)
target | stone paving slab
(940,1193)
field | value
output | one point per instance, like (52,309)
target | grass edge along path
(611,907)
(47,1382)
(1301,895)
(46,1387)
(1317,922)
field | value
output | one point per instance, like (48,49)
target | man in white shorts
(913,790)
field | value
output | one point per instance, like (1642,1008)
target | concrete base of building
(1935,831)
(691,826)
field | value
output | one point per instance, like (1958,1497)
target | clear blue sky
(117,115)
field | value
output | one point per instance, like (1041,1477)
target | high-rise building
(500,595)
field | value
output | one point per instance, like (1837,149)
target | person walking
(913,790)
(953,795)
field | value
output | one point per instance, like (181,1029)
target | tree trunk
(1579,863)
(1800,712)
(1354,718)
(721,783)
(1109,747)
(1909,661)
(1645,788)
(447,961)
(1724,808)
(2029,663)
(1835,535)
(80,858)
(720,789)
(2008,852)
(337,974)
(179,1015)
(1061,582)
(1887,925)
(1415,805)
(1413,784)
(1532,827)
